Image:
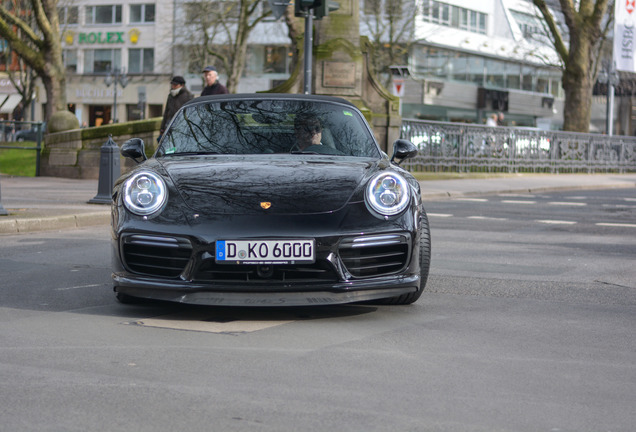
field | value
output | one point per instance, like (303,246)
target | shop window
(134,112)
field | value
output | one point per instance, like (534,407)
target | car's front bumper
(271,295)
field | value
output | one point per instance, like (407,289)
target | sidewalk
(51,203)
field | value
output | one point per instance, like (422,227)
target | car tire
(425,264)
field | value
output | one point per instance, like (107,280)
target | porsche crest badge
(265,205)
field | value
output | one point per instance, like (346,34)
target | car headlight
(388,194)
(145,193)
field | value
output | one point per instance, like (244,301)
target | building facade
(120,57)
(470,59)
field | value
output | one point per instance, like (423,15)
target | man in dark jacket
(212,84)
(178,96)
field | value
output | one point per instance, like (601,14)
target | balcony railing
(459,147)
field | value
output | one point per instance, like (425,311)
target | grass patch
(18,162)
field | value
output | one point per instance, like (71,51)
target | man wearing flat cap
(177,97)
(212,84)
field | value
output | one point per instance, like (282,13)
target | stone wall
(76,153)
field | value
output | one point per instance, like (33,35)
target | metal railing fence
(20,131)
(459,147)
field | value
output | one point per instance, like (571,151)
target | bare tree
(587,24)
(23,79)
(221,32)
(390,25)
(32,30)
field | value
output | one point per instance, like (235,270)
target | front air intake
(377,255)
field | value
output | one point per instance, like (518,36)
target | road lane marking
(77,287)
(444,215)
(518,202)
(621,225)
(565,203)
(556,222)
(487,218)
(472,199)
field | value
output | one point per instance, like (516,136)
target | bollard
(109,172)
(3,212)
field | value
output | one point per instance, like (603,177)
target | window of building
(70,60)
(267,59)
(141,60)
(513,76)
(454,16)
(495,73)
(142,13)
(452,65)
(212,12)
(134,112)
(101,60)
(110,14)
(68,15)
(528,24)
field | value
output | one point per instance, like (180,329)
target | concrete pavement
(52,203)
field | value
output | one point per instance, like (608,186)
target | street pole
(610,108)
(3,212)
(115,76)
(308,45)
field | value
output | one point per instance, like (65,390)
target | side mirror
(403,149)
(134,149)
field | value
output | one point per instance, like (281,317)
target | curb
(520,190)
(17,226)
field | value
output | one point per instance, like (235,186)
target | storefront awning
(12,101)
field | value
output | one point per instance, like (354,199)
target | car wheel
(126,299)
(425,263)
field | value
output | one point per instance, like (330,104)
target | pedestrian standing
(500,119)
(212,84)
(178,96)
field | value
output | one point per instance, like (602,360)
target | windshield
(241,127)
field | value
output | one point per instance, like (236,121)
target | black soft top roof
(269,96)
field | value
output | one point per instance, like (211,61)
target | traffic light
(302,6)
(324,7)
(320,8)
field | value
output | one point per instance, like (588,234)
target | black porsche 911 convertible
(269,200)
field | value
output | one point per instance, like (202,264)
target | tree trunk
(55,86)
(578,84)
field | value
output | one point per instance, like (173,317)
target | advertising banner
(624,35)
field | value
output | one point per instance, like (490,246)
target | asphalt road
(529,325)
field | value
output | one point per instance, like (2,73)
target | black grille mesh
(156,256)
(368,256)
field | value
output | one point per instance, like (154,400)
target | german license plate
(265,251)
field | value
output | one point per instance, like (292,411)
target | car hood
(302,185)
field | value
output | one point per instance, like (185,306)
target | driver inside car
(308,130)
